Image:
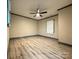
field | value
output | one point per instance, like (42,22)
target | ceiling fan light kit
(37,15)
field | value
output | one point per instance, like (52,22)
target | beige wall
(22,26)
(65,25)
(42,24)
(25,27)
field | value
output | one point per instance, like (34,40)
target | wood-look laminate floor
(38,47)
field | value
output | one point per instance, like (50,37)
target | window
(8,12)
(50,26)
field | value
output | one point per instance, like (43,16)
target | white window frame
(50,26)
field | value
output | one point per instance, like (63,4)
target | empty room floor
(38,47)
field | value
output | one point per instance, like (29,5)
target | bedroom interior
(39,29)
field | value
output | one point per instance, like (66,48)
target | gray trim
(49,17)
(32,18)
(47,37)
(32,36)
(22,16)
(22,37)
(65,44)
(64,7)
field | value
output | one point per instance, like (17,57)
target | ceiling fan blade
(43,9)
(32,13)
(41,15)
(34,16)
(33,10)
(43,12)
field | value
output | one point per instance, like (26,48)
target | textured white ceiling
(24,7)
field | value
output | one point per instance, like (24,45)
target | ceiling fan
(38,12)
